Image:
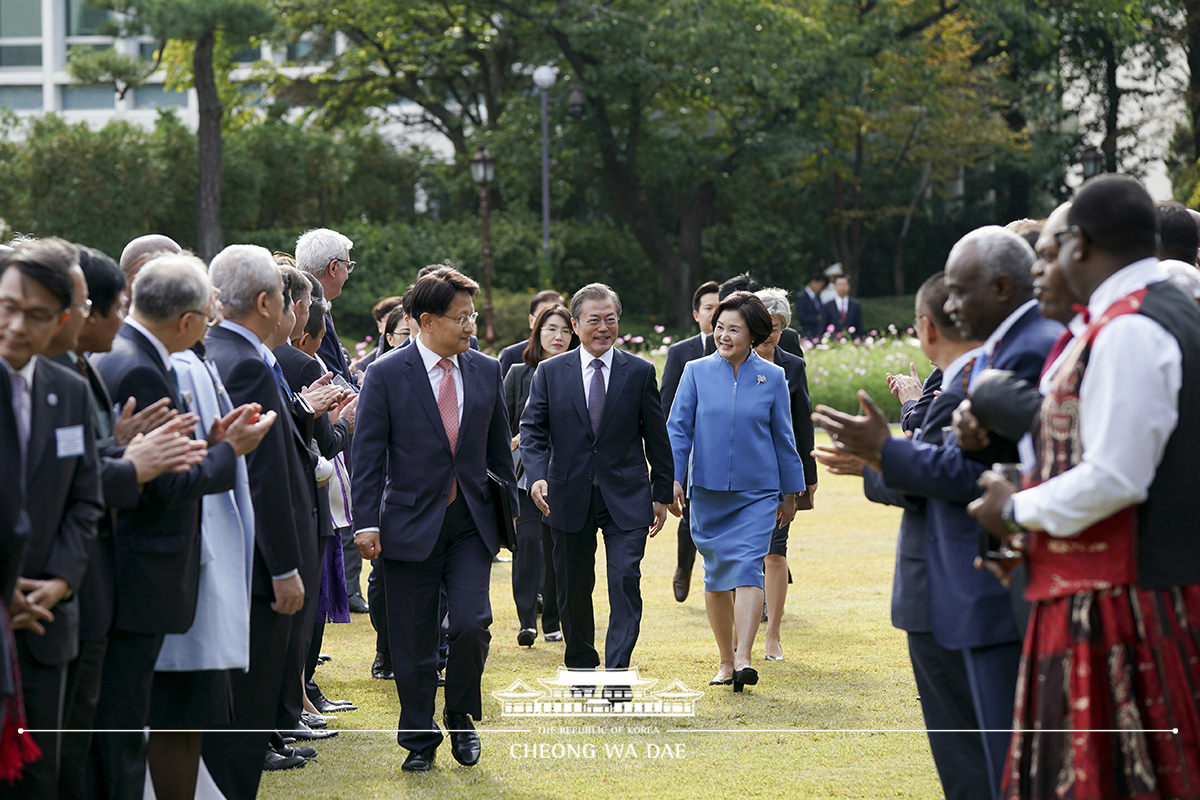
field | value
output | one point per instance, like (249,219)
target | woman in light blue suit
(731,435)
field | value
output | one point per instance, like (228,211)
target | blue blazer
(735,435)
(558,446)
(403,464)
(810,317)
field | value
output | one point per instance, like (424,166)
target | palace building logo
(596,693)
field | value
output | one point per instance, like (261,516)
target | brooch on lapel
(52,399)
(761,379)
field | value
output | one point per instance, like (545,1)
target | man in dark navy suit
(537,304)
(325,254)
(282,491)
(810,318)
(593,420)
(431,423)
(943,688)
(843,312)
(156,553)
(54,415)
(704,303)
(990,290)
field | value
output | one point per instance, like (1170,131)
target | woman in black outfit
(551,335)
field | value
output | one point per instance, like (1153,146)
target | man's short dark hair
(738,283)
(105,280)
(544,296)
(318,291)
(818,276)
(384,307)
(315,326)
(708,287)
(1116,214)
(1177,234)
(295,284)
(434,292)
(47,261)
(931,302)
(752,310)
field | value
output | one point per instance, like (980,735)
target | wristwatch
(1008,517)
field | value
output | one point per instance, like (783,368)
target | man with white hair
(325,254)
(283,496)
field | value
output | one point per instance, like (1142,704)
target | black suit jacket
(678,355)
(802,424)
(789,340)
(118,478)
(156,550)
(14,525)
(63,477)
(854,317)
(810,316)
(558,446)
(281,487)
(330,351)
(512,355)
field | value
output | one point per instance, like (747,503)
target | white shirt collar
(810,293)
(951,373)
(1137,275)
(1004,327)
(26,372)
(251,337)
(163,352)
(429,357)
(587,358)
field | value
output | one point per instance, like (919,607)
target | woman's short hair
(534,353)
(776,301)
(752,311)
(394,317)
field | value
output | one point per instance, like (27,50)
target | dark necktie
(285,391)
(175,382)
(596,396)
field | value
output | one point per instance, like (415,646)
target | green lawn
(846,668)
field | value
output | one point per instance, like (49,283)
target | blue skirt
(732,530)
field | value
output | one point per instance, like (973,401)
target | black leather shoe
(358,605)
(307,752)
(382,668)
(323,657)
(744,677)
(303,731)
(441,678)
(464,741)
(276,762)
(682,583)
(315,721)
(326,706)
(420,760)
(526,637)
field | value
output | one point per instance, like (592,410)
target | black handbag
(502,503)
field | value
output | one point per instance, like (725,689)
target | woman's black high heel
(744,677)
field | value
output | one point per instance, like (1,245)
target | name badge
(70,441)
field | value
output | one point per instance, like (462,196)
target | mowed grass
(846,668)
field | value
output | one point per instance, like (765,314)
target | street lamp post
(483,171)
(544,78)
(1093,162)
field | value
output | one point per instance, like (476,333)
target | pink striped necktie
(448,406)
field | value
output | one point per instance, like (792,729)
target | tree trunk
(208,145)
(1112,95)
(1192,98)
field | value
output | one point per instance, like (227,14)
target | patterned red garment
(16,749)
(1108,671)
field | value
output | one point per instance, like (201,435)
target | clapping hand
(861,436)
(164,449)
(906,388)
(129,424)
(970,434)
(838,461)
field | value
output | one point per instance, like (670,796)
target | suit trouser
(118,760)
(377,600)
(946,705)
(575,570)
(992,673)
(685,552)
(533,569)
(43,687)
(235,760)
(79,714)
(462,563)
(291,692)
(353,561)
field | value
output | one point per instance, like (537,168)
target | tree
(200,22)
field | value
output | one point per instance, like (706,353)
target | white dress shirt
(159,347)
(1128,408)
(585,363)
(434,371)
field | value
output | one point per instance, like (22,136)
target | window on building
(82,97)
(21,98)
(20,18)
(310,51)
(156,95)
(83,20)
(20,55)
(247,56)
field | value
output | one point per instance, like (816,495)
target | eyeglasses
(85,308)
(1062,233)
(463,321)
(349,264)
(35,317)
(209,319)
(594,322)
